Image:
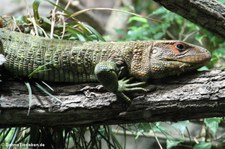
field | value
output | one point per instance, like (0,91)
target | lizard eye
(180,47)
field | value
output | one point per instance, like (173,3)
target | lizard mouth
(192,59)
(195,59)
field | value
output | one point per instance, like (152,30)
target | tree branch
(185,97)
(210,14)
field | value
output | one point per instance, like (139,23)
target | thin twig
(68,4)
(183,27)
(53,20)
(112,9)
(156,138)
(188,35)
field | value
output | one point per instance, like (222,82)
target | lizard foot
(125,86)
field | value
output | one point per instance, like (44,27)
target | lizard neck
(136,55)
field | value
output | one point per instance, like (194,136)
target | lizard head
(174,57)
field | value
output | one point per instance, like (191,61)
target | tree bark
(210,14)
(188,96)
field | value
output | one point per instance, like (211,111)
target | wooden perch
(188,96)
(210,14)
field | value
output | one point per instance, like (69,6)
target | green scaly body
(60,60)
(73,61)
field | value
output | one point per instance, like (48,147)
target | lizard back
(53,59)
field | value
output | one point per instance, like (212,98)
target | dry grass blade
(112,9)
(29,96)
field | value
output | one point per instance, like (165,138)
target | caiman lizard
(110,63)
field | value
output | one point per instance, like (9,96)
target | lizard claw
(125,86)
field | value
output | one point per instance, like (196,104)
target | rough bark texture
(210,14)
(185,97)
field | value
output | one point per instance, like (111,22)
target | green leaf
(138,134)
(94,32)
(47,92)
(204,68)
(213,124)
(160,11)
(39,70)
(172,143)
(158,35)
(221,51)
(203,145)
(222,1)
(36,5)
(181,126)
(59,7)
(137,19)
(13,138)
(158,127)
(76,33)
(200,37)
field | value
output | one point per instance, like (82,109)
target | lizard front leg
(107,74)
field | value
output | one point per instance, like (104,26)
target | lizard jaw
(195,59)
(174,67)
(192,59)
